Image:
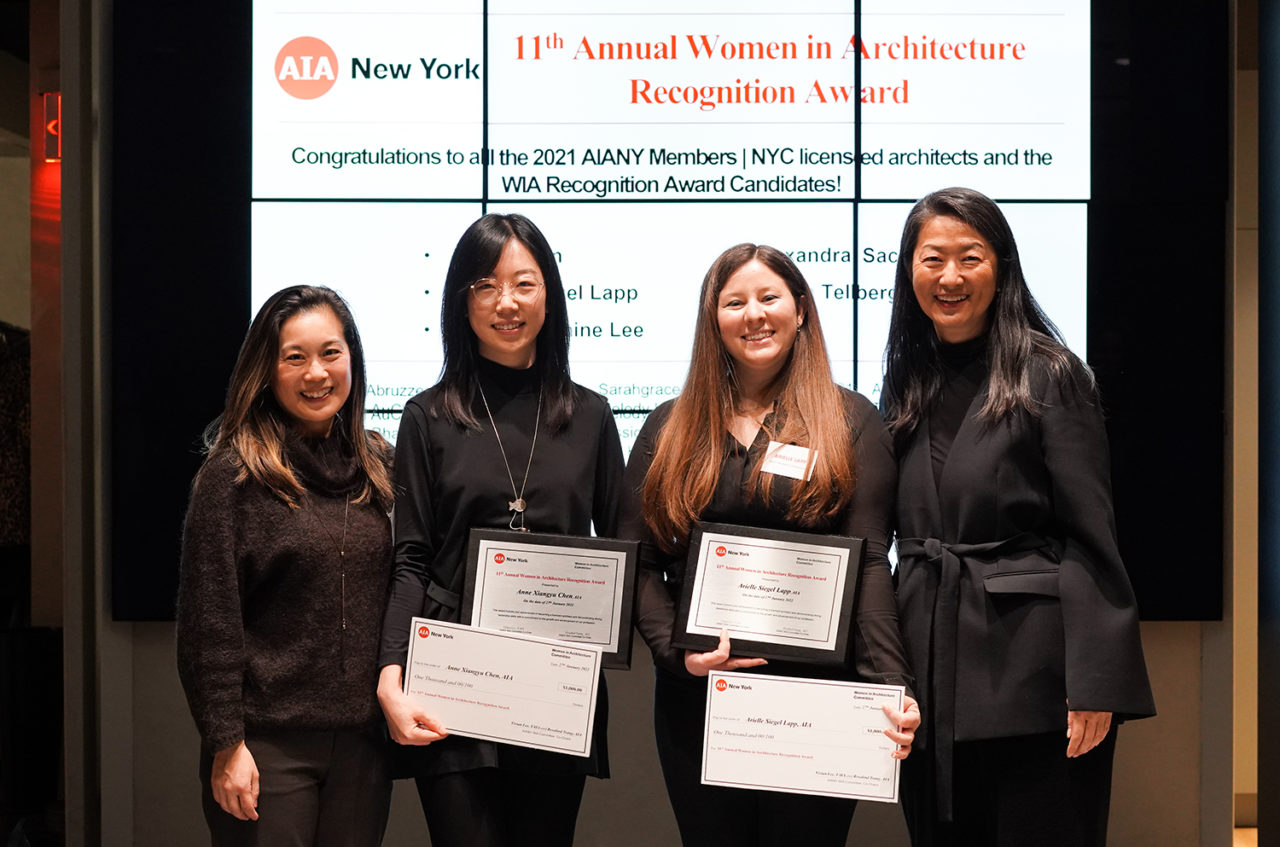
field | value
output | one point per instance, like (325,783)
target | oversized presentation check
(804,736)
(780,594)
(500,686)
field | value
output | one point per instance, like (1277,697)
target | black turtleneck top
(964,369)
(449,479)
(276,629)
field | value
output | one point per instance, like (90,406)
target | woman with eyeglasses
(504,440)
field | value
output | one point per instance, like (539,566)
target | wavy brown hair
(808,410)
(253,428)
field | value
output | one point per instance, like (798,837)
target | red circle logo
(721,550)
(306,67)
(499,558)
(423,632)
(721,685)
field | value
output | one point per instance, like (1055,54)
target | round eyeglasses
(488,291)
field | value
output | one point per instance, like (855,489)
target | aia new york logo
(306,68)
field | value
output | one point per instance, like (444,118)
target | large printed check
(506,687)
(804,736)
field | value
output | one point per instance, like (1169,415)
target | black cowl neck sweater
(279,606)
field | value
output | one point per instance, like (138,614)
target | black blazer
(1012,596)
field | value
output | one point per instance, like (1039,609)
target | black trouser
(490,807)
(1011,792)
(712,815)
(317,788)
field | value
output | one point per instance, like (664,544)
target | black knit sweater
(264,596)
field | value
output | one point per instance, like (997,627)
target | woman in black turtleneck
(504,424)
(286,554)
(1016,610)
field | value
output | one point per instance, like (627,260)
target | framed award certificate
(564,587)
(781,595)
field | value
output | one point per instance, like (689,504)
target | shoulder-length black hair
(253,427)
(1017,328)
(474,258)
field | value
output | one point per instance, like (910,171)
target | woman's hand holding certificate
(407,721)
(701,664)
(905,721)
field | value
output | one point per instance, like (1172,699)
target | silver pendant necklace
(518,505)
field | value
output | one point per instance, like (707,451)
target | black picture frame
(624,582)
(842,613)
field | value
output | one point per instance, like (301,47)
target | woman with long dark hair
(1017,612)
(504,440)
(758,373)
(286,556)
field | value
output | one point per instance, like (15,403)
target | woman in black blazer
(1018,615)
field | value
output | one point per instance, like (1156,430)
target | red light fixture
(53,126)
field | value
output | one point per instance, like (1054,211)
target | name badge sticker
(789,460)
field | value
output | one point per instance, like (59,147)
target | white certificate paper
(566,593)
(762,589)
(517,689)
(804,736)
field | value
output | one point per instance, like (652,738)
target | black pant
(489,807)
(317,788)
(710,815)
(1011,792)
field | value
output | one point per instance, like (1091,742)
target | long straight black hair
(474,258)
(1017,328)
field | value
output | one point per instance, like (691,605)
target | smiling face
(953,273)
(507,326)
(758,318)
(312,379)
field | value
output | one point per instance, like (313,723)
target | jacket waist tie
(943,634)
